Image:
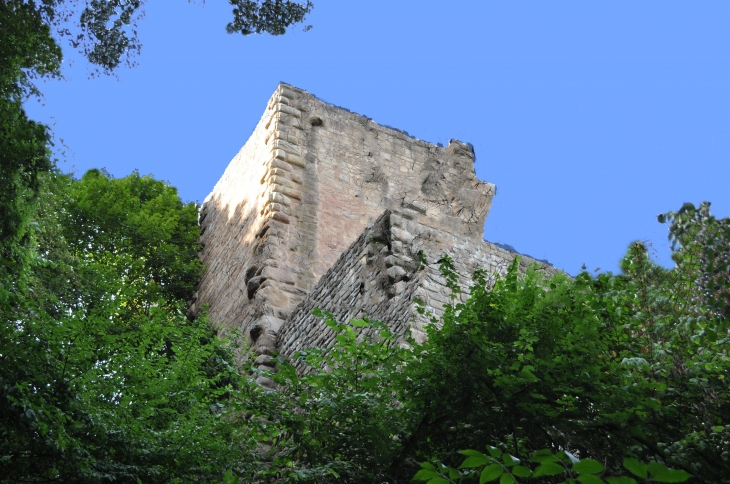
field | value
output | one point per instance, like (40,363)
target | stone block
(401,235)
(418,206)
(280,179)
(286,109)
(396,273)
(278,197)
(288,191)
(286,146)
(295,160)
(399,287)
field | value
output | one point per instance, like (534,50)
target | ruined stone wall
(307,183)
(381,275)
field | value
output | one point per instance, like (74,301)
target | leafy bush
(542,465)
(611,369)
(340,420)
(102,376)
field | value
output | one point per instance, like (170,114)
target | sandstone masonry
(325,208)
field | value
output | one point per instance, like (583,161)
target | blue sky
(590,117)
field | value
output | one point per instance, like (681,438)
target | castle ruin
(325,208)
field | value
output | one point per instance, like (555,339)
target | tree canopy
(102,376)
(105,33)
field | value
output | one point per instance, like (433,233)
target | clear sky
(591,117)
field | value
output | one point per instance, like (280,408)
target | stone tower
(312,182)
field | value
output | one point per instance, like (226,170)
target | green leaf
(521,471)
(439,480)
(588,466)
(493,451)
(506,478)
(656,469)
(566,456)
(453,473)
(543,456)
(660,473)
(590,479)
(490,473)
(548,469)
(470,453)
(635,467)
(510,460)
(425,475)
(474,461)
(620,480)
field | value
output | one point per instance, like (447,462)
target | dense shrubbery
(613,369)
(103,378)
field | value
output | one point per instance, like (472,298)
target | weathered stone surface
(325,208)
(351,289)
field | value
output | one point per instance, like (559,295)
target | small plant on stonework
(422,261)
(380,240)
(446,266)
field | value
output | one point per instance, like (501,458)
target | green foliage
(26,49)
(87,399)
(337,419)
(519,363)
(269,16)
(616,370)
(143,218)
(612,367)
(102,376)
(544,466)
(702,245)
(23,156)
